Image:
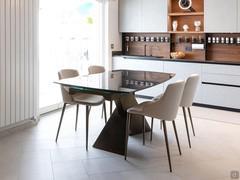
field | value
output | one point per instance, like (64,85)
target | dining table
(120,86)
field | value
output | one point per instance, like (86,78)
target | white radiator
(18,61)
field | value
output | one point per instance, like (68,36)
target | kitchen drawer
(228,80)
(221,69)
(223,96)
(136,64)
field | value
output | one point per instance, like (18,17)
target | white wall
(18,61)
(113,36)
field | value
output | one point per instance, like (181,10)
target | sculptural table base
(112,137)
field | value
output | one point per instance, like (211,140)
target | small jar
(231,40)
(238,40)
(166,39)
(147,39)
(209,40)
(217,40)
(142,38)
(157,39)
(152,39)
(213,40)
(131,38)
(161,39)
(136,38)
(227,40)
(127,38)
(222,40)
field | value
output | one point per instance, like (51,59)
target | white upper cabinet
(129,15)
(238,30)
(154,16)
(143,15)
(220,15)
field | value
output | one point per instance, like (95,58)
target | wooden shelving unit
(175,13)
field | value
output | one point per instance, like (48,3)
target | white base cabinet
(219,84)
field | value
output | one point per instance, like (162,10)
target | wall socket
(112,46)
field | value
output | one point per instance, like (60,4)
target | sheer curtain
(70,36)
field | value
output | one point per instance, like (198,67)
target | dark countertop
(177,60)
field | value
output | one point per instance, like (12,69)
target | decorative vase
(174,25)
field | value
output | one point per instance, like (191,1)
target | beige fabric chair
(164,108)
(187,100)
(95,69)
(78,98)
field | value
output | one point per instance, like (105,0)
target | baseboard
(216,107)
(4,131)
(198,104)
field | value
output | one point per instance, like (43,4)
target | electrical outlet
(112,46)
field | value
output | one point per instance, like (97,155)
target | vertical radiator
(18,61)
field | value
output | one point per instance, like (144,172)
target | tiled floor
(32,154)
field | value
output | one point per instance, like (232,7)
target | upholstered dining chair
(95,69)
(88,100)
(164,108)
(187,100)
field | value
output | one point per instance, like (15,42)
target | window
(70,34)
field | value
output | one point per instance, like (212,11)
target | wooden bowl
(177,55)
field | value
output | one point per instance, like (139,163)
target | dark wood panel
(157,48)
(223,52)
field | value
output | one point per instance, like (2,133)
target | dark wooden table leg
(112,137)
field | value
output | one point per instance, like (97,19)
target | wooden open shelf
(183,32)
(186,14)
(175,13)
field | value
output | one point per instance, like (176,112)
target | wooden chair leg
(76,123)
(102,111)
(143,129)
(167,146)
(87,124)
(60,122)
(190,116)
(105,113)
(111,102)
(126,135)
(185,119)
(151,129)
(176,134)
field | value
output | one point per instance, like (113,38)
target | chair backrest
(64,74)
(189,90)
(166,107)
(95,69)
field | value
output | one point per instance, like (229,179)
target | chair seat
(139,109)
(88,99)
(157,97)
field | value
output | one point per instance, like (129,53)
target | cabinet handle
(220,84)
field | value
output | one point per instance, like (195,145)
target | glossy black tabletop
(119,81)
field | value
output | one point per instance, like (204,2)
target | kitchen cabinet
(182,71)
(154,16)
(129,15)
(143,15)
(220,15)
(221,85)
(238,23)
